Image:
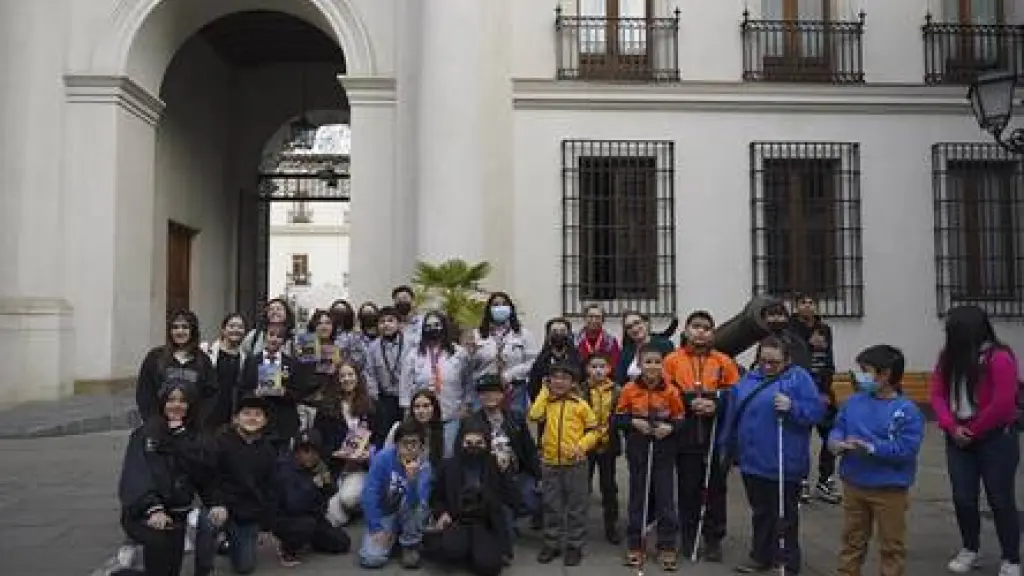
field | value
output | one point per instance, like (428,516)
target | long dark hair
(289,319)
(446,330)
(314,321)
(969,332)
(433,430)
(346,322)
(192,346)
(490,480)
(486,321)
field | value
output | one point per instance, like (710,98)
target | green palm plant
(454,287)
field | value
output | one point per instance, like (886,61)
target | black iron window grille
(979,228)
(799,50)
(637,49)
(618,226)
(956,53)
(806,224)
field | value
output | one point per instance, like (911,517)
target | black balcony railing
(617,49)
(814,51)
(957,53)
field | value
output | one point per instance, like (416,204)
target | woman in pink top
(974,395)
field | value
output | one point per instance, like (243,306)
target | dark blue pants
(662,503)
(990,461)
(763,497)
(244,539)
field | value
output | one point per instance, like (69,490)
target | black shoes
(547,554)
(573,557)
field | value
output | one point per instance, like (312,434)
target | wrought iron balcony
(811,51)
(298,278)
(617,49)
(300,213)
(957,53)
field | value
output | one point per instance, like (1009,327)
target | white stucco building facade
(665,161)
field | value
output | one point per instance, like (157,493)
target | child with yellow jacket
(570,432)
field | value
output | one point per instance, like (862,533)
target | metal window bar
(957,53)
(810,51)
(806,223)
(617,49)
(326,184)
(979,228)
(618,226)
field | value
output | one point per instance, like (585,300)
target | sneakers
(288,559)
(410,558)
(827,492)
(805,492)
(1007,569)
(573,556)
(547,554)
(964,562)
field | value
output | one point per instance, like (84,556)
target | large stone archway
(110,169)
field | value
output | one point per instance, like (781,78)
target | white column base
(37,338)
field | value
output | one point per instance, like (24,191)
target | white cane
(707,486)
(780,528)
(647,503)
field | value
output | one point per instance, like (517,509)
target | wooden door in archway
(179,266)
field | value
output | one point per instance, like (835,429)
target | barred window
(979,237)
(806,229)
(618,226)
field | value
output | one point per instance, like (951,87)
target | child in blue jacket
(396,499)
(775,394)
(878,434)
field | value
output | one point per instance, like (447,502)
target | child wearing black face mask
(467,501)
(558,349)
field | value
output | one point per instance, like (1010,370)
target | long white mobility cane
(704,493)
(647,502)
(780,523)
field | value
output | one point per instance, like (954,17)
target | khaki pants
(862,510)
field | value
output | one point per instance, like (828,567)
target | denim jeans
(990,461)
(451,430)
(244,539)
(527,486)
(407,524)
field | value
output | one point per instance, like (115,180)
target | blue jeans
(407,524)
(244,539)
(990,461)
(527,486)
(451,431)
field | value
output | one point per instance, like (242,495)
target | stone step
(84,414)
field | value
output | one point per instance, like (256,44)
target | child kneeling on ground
(395,500)
(306,484)
(469,499)
(878,434)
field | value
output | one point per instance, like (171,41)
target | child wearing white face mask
(599,392)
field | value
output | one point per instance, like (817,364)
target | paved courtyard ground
(58,517)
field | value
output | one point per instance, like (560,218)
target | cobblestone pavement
(58,517)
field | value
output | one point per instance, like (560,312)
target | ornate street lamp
(303,134)
(991,97)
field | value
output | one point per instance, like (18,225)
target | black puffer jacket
(162,470)
(246,480)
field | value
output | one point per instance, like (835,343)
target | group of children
(267,475)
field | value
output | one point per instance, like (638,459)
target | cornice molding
(369,90)
(545,94)
(117,90)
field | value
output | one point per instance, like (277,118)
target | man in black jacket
(513,446)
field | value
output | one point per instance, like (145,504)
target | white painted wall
(192,147)
(712,188)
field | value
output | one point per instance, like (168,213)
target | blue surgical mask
(501,314)
(865,382)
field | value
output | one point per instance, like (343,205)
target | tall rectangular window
(806,223)
(300,269)
(979,239)
(618,226)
